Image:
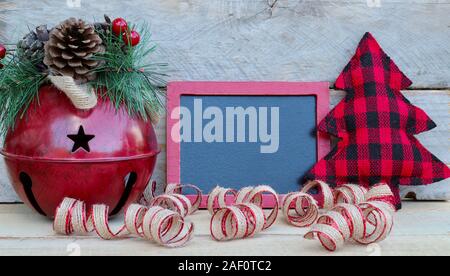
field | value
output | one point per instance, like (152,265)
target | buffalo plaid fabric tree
(376,125)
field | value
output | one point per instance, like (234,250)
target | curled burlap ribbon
(81,96)
(162,221)
(240,214)
(305,211)
(173,198)
(353,213)
(255,196)
(237,222)
(217,198)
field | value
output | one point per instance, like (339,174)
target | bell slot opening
(130,180)
(27,184)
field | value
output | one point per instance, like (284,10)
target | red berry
(131,38)
(2,51)
(119,26)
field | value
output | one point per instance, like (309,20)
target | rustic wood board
(434,102)
(295,40)
(420,229)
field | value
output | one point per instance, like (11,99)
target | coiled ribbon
(354,212)
(244,217)
(162,222)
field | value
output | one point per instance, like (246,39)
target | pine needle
(129,79)
(20,81)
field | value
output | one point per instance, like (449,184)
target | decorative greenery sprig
(125,75)
(20,81)
(128,78)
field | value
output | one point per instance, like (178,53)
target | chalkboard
(244,134)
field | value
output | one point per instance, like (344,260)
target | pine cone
(70,49)
(103,28)
(31,47)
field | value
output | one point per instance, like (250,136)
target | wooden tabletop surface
(421,228)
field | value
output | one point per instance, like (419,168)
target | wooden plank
(434,102)
(296,40)
(420,229)
(413,245)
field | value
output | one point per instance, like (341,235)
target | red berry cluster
(120,29)
(2,54)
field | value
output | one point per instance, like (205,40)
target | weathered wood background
(270,40)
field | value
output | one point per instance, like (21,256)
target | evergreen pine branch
(125,75)
(20,81)
(128,77)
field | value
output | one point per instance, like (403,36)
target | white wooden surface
(421,229)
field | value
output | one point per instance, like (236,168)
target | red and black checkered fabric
(376,125)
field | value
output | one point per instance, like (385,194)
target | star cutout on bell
(81,140)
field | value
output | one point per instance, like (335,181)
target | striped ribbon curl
(352,213)
(161,221)
(244,217)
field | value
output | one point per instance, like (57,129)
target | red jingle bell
(101,155)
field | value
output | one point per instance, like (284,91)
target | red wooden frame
(176,89)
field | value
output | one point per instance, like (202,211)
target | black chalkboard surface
(251,134)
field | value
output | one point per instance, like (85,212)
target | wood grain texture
(420,229)
(434,102)
(295,40)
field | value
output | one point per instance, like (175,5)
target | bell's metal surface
(100,156)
